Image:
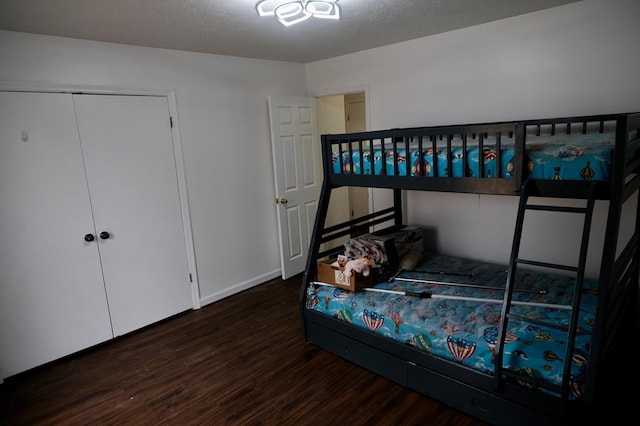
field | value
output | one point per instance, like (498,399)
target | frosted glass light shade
(290,12)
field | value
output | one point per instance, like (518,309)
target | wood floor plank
(238,361)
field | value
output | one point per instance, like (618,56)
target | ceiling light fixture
(289,12)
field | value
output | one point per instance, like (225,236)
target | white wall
(224,125)
(580,58)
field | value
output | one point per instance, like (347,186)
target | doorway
(356,121)
(344,113)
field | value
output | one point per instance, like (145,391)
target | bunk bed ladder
(501,373)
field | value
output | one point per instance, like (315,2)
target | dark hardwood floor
(239,361)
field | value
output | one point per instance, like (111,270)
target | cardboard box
(334,275)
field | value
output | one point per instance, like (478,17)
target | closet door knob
(104,235)
(89,237)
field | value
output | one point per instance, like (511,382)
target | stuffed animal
(360,265)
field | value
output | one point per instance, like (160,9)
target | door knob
(104,235)
(89,237)
(281,200)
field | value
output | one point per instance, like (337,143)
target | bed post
(316,235)
(608,277)
(634,123)
(397,207)
(520,158)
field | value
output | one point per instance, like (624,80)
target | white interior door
(298,178)
(52,297)
(129,157)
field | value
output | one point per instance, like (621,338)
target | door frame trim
(170,94)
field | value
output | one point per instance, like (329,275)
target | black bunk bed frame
(490,397)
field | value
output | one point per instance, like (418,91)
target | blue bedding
(572,157)
(465,331)
(579,157)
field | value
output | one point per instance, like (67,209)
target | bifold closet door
(130,164)
(52,296)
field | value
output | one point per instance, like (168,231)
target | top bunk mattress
(570,157)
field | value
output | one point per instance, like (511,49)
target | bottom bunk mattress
(460,322)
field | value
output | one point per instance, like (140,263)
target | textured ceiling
(232,27)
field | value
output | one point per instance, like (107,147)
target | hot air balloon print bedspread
(465,331)
(559,156)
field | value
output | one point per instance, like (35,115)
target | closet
(92,243)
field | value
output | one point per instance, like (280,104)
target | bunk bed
(526,342)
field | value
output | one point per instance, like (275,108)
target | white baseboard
(240,287)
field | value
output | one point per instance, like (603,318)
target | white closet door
(130,165)
(52,298)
